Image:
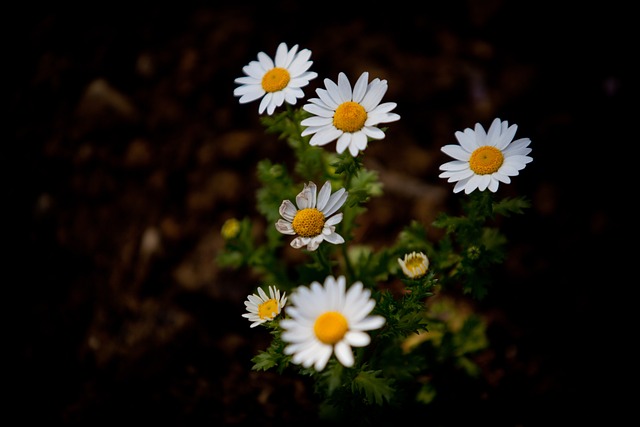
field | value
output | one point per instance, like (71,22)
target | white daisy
(349,116)
(484,159)
(276,82)
(414,265)
(262,308)
(311,221)
(325,320)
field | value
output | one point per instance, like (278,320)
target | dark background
(129,151)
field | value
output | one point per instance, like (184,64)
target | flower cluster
(340,315)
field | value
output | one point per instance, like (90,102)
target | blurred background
(130,151)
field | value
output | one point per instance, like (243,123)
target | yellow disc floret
(486,160)
(330,327)
(230,228)
(349,117)
(308,222)
(415,264)
(268,309)
(275,79)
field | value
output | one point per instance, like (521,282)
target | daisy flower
(328,319)
(262,308)
(311,221)
(484,159)
(414,265)
(350,116)
(275,81)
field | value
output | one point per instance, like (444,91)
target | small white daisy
(262,308)
(349,116)
(328,319)
(276,82)
(484,159)
(414,265)
(311,221)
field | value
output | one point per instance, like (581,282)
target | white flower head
(326,320)
(484,159)
(262,307)
(414,265)
(350,116)
(312,219)
(275,81)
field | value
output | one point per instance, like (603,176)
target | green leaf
(263,361)
(377,389)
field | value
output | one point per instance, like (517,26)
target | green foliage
(376,389)
(426,330)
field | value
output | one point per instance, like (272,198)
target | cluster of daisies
(329,319)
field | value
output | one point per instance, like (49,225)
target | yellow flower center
(416,265)
(308,222)
(268,309)
(486,160)
(349,117)
(230,228)
(330,327)
(275,79)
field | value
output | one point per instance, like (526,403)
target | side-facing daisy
(262,308)
(414,265)
(484,159)
(276,82)
(328,319)
(350,116)
(312,220)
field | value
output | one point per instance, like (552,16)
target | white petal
(357,338)
(247,80)
(317,121)
(353,148)
(299,242)
(251,96)
(382,109)
(343,142)
(374,96)
(265,61)
(455,165)
(281,55)
(344,88)
(284,227)
(334,92)
(335,219)
(467,140)
(325,136)
(322,357)
(369,323)
(360,88)
(255,69)
(456,151)
(314,242)
(493,185)
(335,202)
(317,110)
(287,210)
(344,354)
(327,99)
(323,196)
(315,129)
(359,139)
(334,238)
(266,103)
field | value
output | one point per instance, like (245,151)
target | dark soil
(129,151)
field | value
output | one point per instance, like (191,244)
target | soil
(130,152)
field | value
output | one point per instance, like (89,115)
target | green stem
(347,263)
(321,259)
